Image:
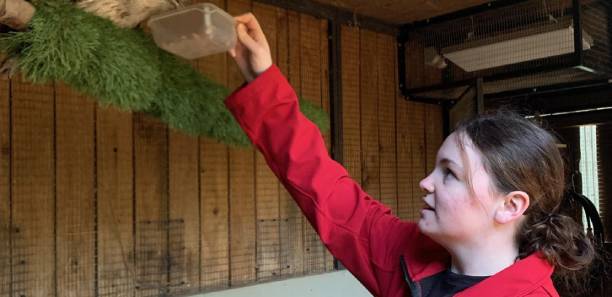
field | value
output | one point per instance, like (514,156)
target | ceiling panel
(401,12)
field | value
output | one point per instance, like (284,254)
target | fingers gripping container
(194,31)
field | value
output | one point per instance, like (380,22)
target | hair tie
(549,216)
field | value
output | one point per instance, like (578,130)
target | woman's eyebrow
(446,162)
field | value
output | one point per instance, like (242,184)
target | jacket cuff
(255,96)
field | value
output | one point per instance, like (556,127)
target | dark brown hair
(519,155)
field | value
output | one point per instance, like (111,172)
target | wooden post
(16,13)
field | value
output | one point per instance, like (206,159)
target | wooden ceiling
(403,11)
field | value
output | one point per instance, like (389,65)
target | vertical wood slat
(151,187)
(410,134)
(370,161)
(214,194)
(33,191)
(314,253)
(75,181)
(387,85)
(351,114)
(291,232)
(404,159)
(184,204)
(415,126)
(186,208)
(242,192)
(215,213)
(5,190)
(419,168)
(115,196)
(267,185)
(433,136)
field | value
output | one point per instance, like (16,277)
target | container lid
(206,8)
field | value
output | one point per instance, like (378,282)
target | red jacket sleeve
(343,215)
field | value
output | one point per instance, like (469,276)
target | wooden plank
(75,183)
(291,232)
(184,208)
(5,190)
(370,162)
(387,85)
(282,41)
(184,229)
(404,158)
(412,120)
(419,168)
(325,102)
(433,135)
(242,191)
(351,115)
(314,252)
(151,188)
(33,191)
(115,196)
(267,185)
(214,193)
(215,214)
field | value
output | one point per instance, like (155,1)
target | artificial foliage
(124,68)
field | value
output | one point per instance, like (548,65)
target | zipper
(415,288)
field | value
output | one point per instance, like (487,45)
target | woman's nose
(427,183)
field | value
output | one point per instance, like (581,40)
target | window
(588,165)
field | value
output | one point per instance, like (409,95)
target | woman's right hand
(252,52)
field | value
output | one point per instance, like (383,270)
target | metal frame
(575,59)
(335,92)
(556,89)
(578,119)
(592,94)
(335,89)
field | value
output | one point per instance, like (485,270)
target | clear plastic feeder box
(194,31)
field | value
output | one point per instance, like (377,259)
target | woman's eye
(449,173)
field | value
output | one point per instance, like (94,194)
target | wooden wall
(98,202)
(389,143)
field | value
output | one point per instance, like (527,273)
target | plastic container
(194,31)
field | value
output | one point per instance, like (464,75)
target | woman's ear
(513,206)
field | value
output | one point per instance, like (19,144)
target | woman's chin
(424,225)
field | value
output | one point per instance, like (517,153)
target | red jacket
(358,230)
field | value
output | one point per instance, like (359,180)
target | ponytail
(560,239)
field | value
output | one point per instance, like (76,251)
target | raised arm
(352,225)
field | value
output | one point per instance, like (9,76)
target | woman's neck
(483,258)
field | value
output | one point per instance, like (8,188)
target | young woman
(489,226)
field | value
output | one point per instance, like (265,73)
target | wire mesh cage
(511,45)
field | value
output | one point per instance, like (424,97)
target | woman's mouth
(427,207)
